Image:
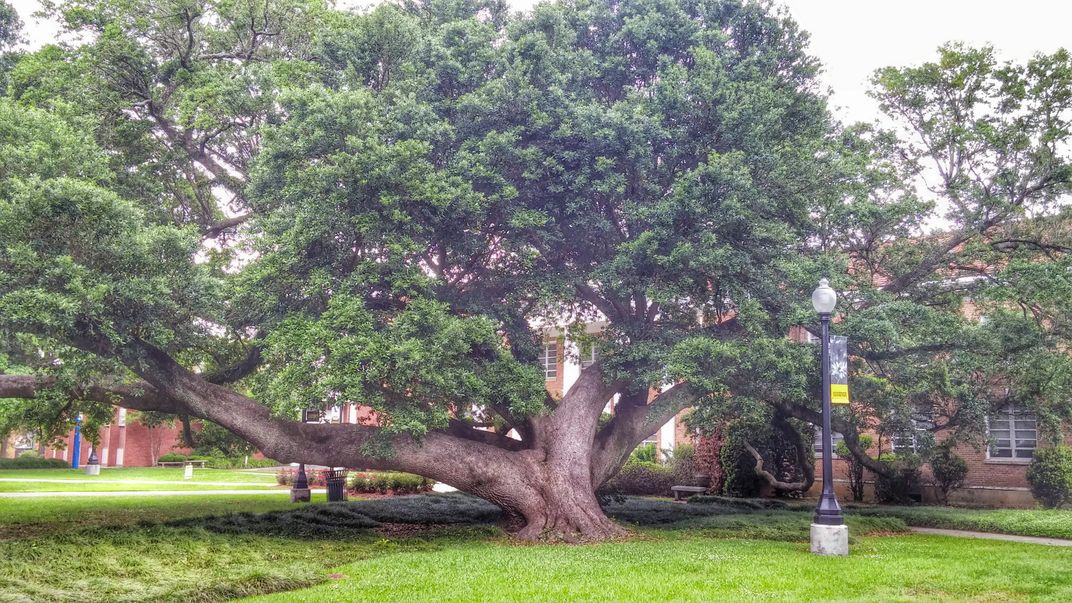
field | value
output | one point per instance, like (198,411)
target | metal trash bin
(336,482)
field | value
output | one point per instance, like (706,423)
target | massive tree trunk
(545,484)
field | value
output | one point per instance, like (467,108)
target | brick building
(996,471)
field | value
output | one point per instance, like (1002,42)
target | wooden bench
(200,464)
(687,491)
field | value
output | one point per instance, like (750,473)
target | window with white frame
(818,443)
(1013,434)
(588,355)
(549,360)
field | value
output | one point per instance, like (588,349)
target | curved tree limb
(801,486)
(630,425)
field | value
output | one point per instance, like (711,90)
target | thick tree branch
(630,425)
(800,486)
(852,438)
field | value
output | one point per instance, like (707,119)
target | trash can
(336,481)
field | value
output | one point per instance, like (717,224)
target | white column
(122,437)
(571,368)
(666,436)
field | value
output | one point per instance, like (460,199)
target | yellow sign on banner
(839,393)
(839,370)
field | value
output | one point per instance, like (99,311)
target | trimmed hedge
(364,482)
(33,462)
(218,462)
(642,479)
(384,482)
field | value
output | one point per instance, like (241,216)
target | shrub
(284,477)
(172,457)
(949,471)
(683,465)
(221,462)
(33,462)
(645,453)
(384,482)
(901,486)
(1050,476)
(642,479)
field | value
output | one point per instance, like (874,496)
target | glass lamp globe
(823,298)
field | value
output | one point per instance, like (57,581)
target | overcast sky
(854,37)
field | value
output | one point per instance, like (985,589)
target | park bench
(686,491)
(200,464)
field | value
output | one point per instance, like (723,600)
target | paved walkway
(991,536)
(136,481)
(151,493)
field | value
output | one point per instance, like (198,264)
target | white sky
(854,37)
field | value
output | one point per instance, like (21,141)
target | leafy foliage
(1050,476)
(32,461)
(902,485)
(949,471)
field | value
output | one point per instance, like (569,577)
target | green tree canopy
(250,209)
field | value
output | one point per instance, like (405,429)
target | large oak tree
(236,210)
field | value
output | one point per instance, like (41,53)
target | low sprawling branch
(630,425)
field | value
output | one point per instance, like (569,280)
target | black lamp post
(301,481)
(828,511)
(299,490)
(829,536)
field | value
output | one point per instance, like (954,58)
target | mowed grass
(32,517)
(145,474)
(446,547)
(677,565)
(1051,523)
(120,487)
(135,479)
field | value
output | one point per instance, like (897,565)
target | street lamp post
(299,490)
(829,534)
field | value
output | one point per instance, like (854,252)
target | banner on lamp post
(839,370)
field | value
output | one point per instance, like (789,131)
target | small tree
(856,468)
(949,471)
(1050,476)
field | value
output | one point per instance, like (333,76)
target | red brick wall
(140,442)
(989,482)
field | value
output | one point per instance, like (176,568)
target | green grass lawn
(26,518)
(675,565)
(214,548)
(145,473)
(1051,523)
(120,487)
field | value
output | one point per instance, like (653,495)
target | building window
(549,360)
(916,437)
(818,442)
(1013,434)
(588,355)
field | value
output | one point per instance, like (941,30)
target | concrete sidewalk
(284,491)
(992,536)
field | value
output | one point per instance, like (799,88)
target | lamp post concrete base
(829,540)
(300,495)
(92,469)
